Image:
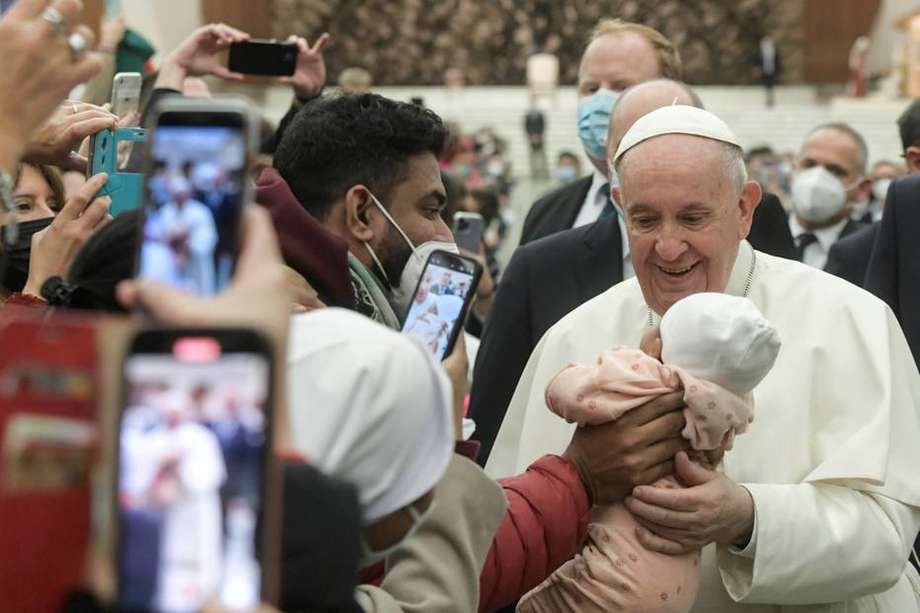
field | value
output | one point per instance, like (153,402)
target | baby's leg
(614,572)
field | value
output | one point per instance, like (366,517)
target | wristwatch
(11,227)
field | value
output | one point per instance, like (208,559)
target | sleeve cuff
(751,549)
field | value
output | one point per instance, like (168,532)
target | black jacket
(544,280)
(555,211)
(894,266)
(849,256)
(770,231)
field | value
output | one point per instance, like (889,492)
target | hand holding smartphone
(263,57)
(442,300)
(194,452)
(198,155)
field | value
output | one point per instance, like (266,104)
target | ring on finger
(75,109)
(77,44)
(54,17)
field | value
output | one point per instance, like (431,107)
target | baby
(716,348)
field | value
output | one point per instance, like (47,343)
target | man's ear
(912,154)
(617,196)
(747,202)
(358,205)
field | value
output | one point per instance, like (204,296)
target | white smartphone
(126,93)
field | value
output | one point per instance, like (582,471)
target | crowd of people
(677,396)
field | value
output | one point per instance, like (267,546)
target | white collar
(597,181)
(826,236)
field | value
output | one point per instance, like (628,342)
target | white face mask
(401,295)
(370,557)
(880,189)
(817,195)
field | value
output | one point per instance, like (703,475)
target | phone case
(126,189)
(48,450)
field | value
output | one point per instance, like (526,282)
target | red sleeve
(545,525)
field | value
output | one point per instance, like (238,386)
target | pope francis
(817,504)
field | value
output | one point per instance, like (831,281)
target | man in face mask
(830,179)
(356,196)
(619,54)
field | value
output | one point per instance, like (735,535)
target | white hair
(733,166)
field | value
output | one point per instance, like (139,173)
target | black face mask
(15,267)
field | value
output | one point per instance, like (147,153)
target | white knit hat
(370,406)
(719,338)
(676,119)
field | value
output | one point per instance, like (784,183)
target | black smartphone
(468,228)
(198,156)
(441,301)
(263,57)
(193,479)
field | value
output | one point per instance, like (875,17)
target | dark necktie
(802,241)
(608,209)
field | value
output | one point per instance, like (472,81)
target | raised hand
(309,77)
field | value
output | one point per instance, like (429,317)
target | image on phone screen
(194,198)
(193,445)
(438,304)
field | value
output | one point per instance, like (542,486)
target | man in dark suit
(894,266)
(619,55)
(821,207)
(849,257)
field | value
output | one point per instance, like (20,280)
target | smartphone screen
(438,309)
(194,195)
(193,443)
(263,57)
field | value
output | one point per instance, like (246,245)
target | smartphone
(126,93)
(197,163)
(263,57)
(441,301)
(193,478)
(468,229)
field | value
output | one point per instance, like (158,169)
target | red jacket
(545,525)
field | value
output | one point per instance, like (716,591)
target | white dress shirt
(816,253)
(590,211)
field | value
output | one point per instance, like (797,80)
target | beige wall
(885,38)
(164,22)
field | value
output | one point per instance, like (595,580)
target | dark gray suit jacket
(849,256)
(555,211)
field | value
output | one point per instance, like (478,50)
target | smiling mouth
(676,272)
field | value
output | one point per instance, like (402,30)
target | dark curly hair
(340,141)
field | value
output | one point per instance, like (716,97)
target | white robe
(832,459)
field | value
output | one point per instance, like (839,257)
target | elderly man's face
(685,216)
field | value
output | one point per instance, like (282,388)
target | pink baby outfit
(614,572)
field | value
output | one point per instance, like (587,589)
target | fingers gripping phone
(126,93)
(442,299)
(198,153)
(263,57)
(468,229)
(193,478)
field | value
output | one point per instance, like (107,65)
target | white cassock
(195,219)
(190,557)
(832,459)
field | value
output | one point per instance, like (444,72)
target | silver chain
(747,286)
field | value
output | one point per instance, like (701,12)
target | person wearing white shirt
(818,504)
(830,179)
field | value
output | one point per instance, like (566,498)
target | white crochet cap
(719,338)
(676,119)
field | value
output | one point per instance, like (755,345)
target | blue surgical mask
(594,113)
(566,174)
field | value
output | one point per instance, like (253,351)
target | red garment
(20,306)
(307,247)
(545,525)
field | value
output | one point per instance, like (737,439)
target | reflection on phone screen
(192,448)
(437,304)
(194,199)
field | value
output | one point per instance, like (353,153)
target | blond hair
(669,64)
